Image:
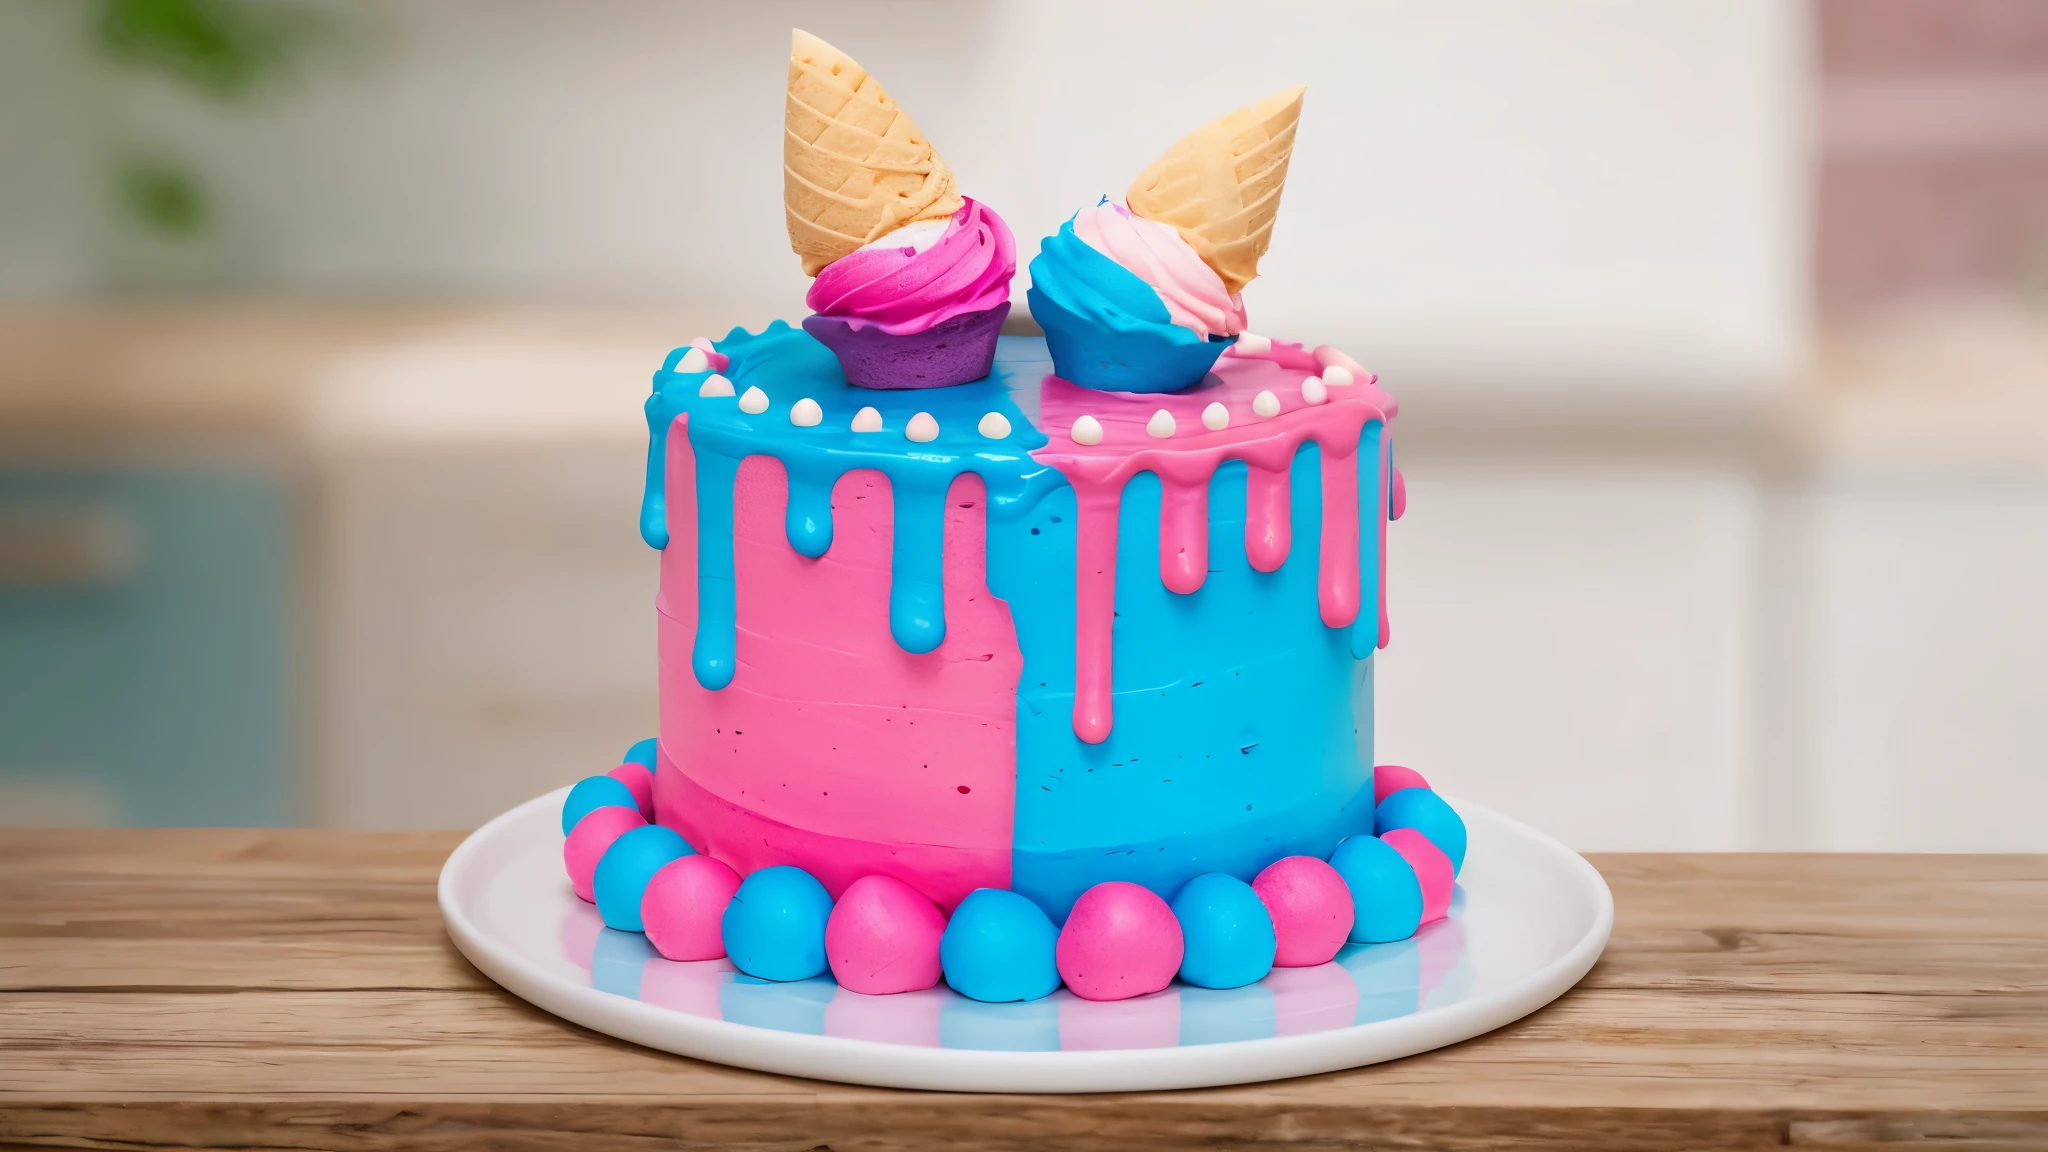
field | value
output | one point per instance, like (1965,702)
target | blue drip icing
(788,364)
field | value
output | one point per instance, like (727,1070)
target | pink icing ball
(1311,909)
(883,937)
(1432,868)
(640,782)
(1121,940)
(684,905)
(587,842)
(1388,779)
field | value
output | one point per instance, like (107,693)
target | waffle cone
(1220,185)
(854,166)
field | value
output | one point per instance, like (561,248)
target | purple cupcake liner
(952,351)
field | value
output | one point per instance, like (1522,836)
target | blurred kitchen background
(1720,329)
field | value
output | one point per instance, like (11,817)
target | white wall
(1569,189)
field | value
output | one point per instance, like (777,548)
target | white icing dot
(805,413)
(867,420)
(1266,404)
(1337,376)
(995,426)
(922,428)
(693,361)
(753,401)
(1215,417)
(715,385)
(1253,344)
(1313,392)
(1160,425)
(1087,431)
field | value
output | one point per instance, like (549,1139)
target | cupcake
(912,278)
(1144,296)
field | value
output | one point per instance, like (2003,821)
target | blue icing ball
(1105,327)
(1229,934)
(592,793)
(774,929)
(999,947)
(1386,898)
(641,753)
(1427,813)
(626,867)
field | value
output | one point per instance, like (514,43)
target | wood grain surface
(294,989)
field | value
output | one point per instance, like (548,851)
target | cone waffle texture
(854,166)
(1220,185)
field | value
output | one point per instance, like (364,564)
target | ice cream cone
(1220,185)
(854,166)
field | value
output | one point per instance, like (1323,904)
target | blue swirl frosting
(1106,327)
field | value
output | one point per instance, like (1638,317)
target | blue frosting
(592,793)
(641,753)
(1386,898)
(1106,327)
(626,867)
(1427,813)
(1243,724)
(788,365)
(774,929)
(1227,931)
(999,946)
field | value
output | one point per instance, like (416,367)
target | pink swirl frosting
(907,287)
(1193,293)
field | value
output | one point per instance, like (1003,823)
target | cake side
(1241,728)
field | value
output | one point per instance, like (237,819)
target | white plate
(1529,919)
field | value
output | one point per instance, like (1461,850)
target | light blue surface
(1227,932)
(1107,329)
(1426,812)
(1221,1015)
(787,1006)
(1385,895)
(774,929)
(160,695)
(626,867)
(592,793)
(641,753)
(999,946)
(1009,1026)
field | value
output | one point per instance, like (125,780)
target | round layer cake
(1016,633)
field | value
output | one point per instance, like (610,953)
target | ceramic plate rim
(855,1061)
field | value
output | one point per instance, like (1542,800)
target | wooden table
(295,990)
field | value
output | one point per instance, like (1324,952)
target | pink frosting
(883,937)
(906,289)
(1121,940)
(1193,293)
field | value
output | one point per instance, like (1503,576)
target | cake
(1015,662)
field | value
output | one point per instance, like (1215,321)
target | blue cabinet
(145,645)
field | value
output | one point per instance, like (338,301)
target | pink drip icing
(1337,584)
(1268,528)
(719,360)
(1184,464)
(1184,536)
